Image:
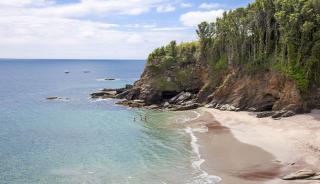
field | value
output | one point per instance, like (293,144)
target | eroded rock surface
(268,92)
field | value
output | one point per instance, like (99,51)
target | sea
(78,140)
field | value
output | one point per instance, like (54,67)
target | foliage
(173,54)
(222,64)
(253,37)
(267,34)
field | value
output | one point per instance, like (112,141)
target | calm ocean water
(82,141)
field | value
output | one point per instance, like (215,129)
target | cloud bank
(46,29)
(193,18)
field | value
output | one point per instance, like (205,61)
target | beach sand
(242,149)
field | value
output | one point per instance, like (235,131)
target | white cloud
(98,7)
(88,7)
(165,8)
(195,17)
(22,3)
(44,29)
(209,6)
(169,28)
(186,5)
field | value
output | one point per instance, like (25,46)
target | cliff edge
(264,58)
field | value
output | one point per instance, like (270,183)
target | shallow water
(79,140)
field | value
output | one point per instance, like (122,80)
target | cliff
(264,57)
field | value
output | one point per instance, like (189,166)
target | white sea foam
(186,119)
(105,80)
(203,177)
(98,100)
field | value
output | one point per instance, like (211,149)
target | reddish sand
(243,149)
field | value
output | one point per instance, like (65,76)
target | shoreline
(242,149)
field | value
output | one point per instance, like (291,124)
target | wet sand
(242,149)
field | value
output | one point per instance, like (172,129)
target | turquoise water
(79,140)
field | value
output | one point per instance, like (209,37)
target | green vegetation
(173,65)
(282,35)
(172,54)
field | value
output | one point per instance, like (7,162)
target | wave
(106,79)
(203,177)
(98,100)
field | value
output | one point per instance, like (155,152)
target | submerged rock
(57,98)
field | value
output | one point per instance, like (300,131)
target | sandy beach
(242,149)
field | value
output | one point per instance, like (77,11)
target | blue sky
(101,29)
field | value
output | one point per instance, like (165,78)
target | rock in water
(302,174)
(104,94)
(52,98)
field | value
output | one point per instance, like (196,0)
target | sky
(101,29)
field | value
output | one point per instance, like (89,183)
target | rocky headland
(262,58)
(270,93)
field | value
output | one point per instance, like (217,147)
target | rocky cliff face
(157,86)
(259,92)
(265,91)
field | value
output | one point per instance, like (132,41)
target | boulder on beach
(265,114)
(185,107)
(181,97)
(302,174)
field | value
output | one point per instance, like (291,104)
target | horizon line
(68,59)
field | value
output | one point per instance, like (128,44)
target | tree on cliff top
(282,35)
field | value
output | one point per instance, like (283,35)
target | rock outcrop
(112,93)
(268,92)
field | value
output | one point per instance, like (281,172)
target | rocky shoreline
(181,102)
